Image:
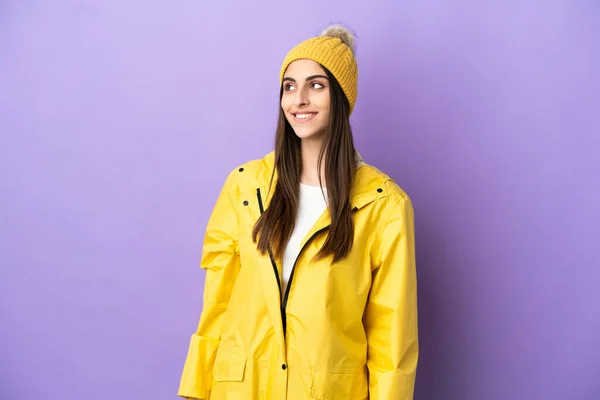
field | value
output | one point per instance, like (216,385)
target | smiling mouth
(303,117)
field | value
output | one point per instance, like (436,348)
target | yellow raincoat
(343,331)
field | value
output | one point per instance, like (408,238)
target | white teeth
(304,116)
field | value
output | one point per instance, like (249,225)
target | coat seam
(382,226)
(232,198)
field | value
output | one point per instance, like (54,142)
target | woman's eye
(289,87)
(317,85)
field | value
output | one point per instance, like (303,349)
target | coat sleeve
(220,259)
(391,312)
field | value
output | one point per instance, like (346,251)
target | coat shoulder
(391,189)
(252,173)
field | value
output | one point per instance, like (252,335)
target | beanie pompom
(341,32)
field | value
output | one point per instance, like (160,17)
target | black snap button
(379,190)
(241,170)
(284,367)
(245,202)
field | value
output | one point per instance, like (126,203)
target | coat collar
(369,182)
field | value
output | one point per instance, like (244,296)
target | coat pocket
(339,386)
(229,367)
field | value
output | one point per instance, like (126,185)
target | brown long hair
(276,224)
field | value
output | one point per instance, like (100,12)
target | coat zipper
(289,285)
(273,263)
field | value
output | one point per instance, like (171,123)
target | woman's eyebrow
(308,78)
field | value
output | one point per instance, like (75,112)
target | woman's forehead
(303,68)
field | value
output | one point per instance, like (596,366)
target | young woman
(309,255)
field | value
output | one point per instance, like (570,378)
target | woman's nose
(301,97)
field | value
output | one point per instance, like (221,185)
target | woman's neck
(310,157)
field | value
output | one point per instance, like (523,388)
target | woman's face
(306,101)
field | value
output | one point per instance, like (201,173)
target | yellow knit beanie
(334,50)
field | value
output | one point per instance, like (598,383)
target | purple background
(120,120)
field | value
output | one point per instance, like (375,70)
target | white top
(311,205)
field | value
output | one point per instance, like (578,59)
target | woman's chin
(309,134)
